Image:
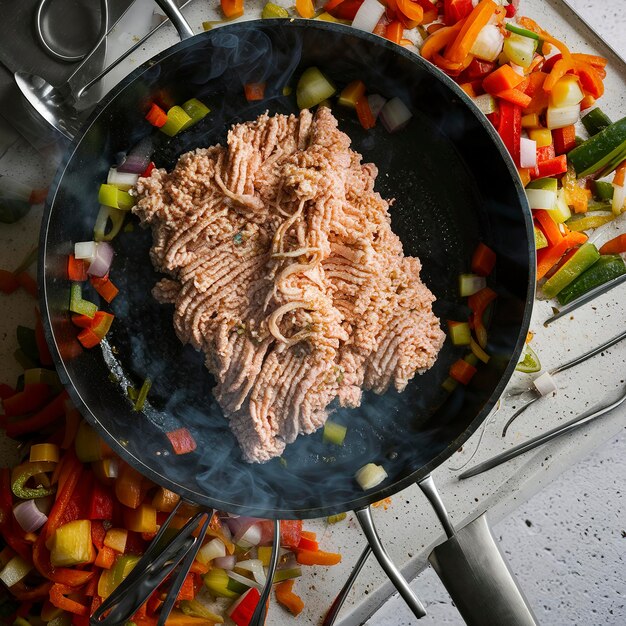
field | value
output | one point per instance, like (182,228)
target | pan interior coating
(454,187)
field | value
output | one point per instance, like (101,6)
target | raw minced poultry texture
(283,269)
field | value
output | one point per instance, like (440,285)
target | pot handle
(473,569)
(176,17)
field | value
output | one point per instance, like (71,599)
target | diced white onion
(544,384)
(85,250)
(28,516)
(528,152)
(560,212)
(122,180)
(488,44)
(376,103)
(541,198)
(225,562)
(486,103)
(102,260)
(368,15)
(256,567)
(251,537)
(559,117)
(619,196)
(213,549)
(244,581)
(370,475)
(469,284)
(395,115)
(138,158)
(14,571)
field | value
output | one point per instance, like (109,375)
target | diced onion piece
(250,537)
(544,384)
(256,567)
(619,196)
(85,250)
(122,180)
(541,198)
(106,213)
(15,570)
(313,88)
(376,103)
(244,581)
(370,475)
(488,44)
(102,260)
(519,49)
(560,212)
(214,549)
(486,103)
(528,152)
(368,15)
(227,562)
(469,284)
(560,117)
(566,92)
(138,158)
(28,516)
(395,115)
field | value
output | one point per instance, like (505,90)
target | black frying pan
(455,186)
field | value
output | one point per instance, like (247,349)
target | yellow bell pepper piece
(115,539)
(143,519)
(44,452)
(71,544)
(531,121)
(352,93)
(542,136)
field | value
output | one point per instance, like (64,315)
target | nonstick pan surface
(454,186)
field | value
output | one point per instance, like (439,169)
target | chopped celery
(287,574)
(334,433)
(603,189)
(78,305)
(459,333)
(313,87)
(540,239)
(595,121)
(216,581)
(271,10)
(196,110)
(110,579)
(113,196)
(486,103)
(177,120)
(585,221)
(478,352)
(582,259)
(471,358)
(197,609)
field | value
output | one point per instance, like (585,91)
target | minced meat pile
(283,269)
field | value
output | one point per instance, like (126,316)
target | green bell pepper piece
(603,190)
(110,195)
(78,305)
(585,221)
(595,121)
(21,475)
(606,268)
(582,259)
(547,184)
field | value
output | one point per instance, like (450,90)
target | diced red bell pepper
(510,128)
(101,502)
(462,371)
(479,69)
(345,10)
(456,10)
(254,91)
(49,414)
(308,544)
(549,63)
(58,597)
(79,502)
(564,139)
(76,269)
(510,10)
(187,591)
(148,170)
(483,260)
(28,283)
(243,609)
(551,167)
(156,116)
(545,152)
(33,397)
(6,391)
(182,441)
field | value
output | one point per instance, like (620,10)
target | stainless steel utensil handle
(176,17)
(367,524)
(477,577)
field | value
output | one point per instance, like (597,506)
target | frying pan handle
(472,567)
(176,17)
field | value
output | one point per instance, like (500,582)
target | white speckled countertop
(565,544)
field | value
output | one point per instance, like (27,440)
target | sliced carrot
(285,596)
(232,8)
(88,338)
(305,8)
(76,269)
(549,257)
(617,245)
(309,557)
(364,113)
(474,23)
(157,117)
(549,227)
(254,91)
(505,77)
(515,96)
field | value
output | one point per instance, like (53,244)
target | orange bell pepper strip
(526,22)
(478,304)
(364,113)
(549,227)
(411,10)
(505,77)
(394,31)
(438,40)
(285,596)
(88,338)
(462,371)
(617,245)
(475,21)
(58,598)
(592,59)
(547,258)
(106,557)
(105,287)
(515,96)
(590,79)
(451,67)
(254,91)
(72,469)
(30,399)
(561,67)
(232,8)
(128,486)
(483,260)
(308,557)
(305,8)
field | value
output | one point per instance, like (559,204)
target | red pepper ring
(58,599)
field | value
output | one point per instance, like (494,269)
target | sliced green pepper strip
(582,259)
(196,110)
(600,150)
(110,195)
(142,395)
(608,267)
(110,579)
(547,184)
(585,221)
(22,473)
(197,609)
(603,190)
(540,239)
(595,121)
(78,305)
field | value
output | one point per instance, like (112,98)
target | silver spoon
(56,104)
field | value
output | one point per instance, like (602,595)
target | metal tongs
(160,560)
